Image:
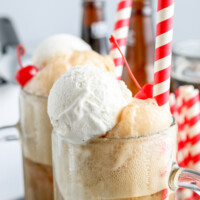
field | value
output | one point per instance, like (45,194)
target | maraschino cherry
(24,74)
(146,91)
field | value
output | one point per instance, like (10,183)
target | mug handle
(9,137)
(184,178)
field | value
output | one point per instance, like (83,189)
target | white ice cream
(57,45)
(85,102)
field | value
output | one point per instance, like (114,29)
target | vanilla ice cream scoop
(43,81)
(85,102)
(57,45)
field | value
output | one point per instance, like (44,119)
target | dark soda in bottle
(140,45)
(94,30)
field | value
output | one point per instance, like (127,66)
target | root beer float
(106,144)
(53,57)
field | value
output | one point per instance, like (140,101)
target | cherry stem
(20,52)
(113,40)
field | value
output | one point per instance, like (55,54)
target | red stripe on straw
(190,198)
(121,42)
(184,162)
(192,101)
(177,93)
(195,158)
(195,139)
(173,109)
(165,194)
(124,4)
(118,61)
(164,26)
(163,51)
(121,23)
(181,126)
(195,196)
(179,109)
(164,4)
(162,98)
(119,78)
(162,75)
(193,120)
(182,144)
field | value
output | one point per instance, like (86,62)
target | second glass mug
(137,168)
(35,136)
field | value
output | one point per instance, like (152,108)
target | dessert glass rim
(157,134)
(177,46)
(33,95)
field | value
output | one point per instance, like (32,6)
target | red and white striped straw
(193,121)
(185,194)
(120,32)
(165,194)
(183,140)
(163,51)
(182,155)
(191,97)
(187,114)
(172,104)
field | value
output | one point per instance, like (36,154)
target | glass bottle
(94,30)
(140,45)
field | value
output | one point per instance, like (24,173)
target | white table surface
(11,171)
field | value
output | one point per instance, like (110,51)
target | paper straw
(120,32)
(165,194)
(193,121)
(163,51)
(191,97)
(185,194)
(172,103)
(186,109)
(183,151)
(183,143)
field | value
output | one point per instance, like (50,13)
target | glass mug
(35,135)
(35,129)
(186,64)
(137,168)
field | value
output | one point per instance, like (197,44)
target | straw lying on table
(186,109)
(120,32)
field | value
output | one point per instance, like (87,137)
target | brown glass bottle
(140,45)
(94,29)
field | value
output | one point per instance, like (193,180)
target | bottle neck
(94,29)
(93,24)
(141,24)
(142,7)
(93,11)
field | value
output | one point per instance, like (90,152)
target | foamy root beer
(157,196)
(114,169)
(35,126)
(38,180)
(36,146)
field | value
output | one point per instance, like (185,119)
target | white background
(37,19)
